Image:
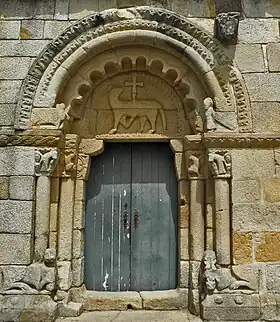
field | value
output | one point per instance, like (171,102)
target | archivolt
(143,25)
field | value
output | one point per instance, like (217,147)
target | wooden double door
(131,219)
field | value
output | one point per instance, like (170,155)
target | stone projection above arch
(169,62)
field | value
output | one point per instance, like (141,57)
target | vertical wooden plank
(154,196)
(107,244)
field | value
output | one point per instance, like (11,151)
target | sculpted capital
(45,161)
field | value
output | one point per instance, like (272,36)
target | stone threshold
(150,300)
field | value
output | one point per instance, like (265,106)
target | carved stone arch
(143,26)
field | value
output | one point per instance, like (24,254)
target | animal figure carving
(125,112)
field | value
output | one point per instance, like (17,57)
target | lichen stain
(24,33)
(211,5)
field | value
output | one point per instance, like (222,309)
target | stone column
(45,161)
(220,166)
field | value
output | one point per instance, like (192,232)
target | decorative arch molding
(111,29)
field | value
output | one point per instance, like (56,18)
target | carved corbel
(226,27)
(45,161)
(195,164)
(220,164)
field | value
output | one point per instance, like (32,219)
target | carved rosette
(45,161)
(220,163)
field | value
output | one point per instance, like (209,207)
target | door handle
(136,218)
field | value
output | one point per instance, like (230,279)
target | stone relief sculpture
(220,164)
(37,277)
(195,121)
(45,161)
(209,114)
(221,279)
(126,111)
(226,26)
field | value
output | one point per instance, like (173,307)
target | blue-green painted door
(131,219)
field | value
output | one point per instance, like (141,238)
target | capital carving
(82,166)
(195,163)
(45,161)
(220,164)
(69,159)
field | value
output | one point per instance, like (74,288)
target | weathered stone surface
(53,216)
(78,271)
(250,273)
(9,89)
(258,31)
(272,190)
(17,10)
(110,300)
(22,188)
(248,217)
(270,304)
(32,29)
(78,243)
(242,248)
(44,9)
(242,307)
(15,249)
(273,277)
(261,87)
(79,215)
(54,28)
(184,244)
(164,300)
(261,8)
(7,112)
(78,9)
(249,163)
(266,116)
(249,57)
(70,309)
(4,187)
(204,23)
(194,8)
(15,216)
(29,48)
(184,274)
(246,190)
(273,55)
(268,249)
(9,29)
(80,190)
(64,275)
(61,10)
(226,26)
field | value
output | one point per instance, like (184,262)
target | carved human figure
(209,114)
(195,121)
(45,161)
(220,163)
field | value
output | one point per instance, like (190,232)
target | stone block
(271,189)
(16,161)
(250,273)
(79,215)
(204,23)
(246,190)
(64,274)
(29,48)
(15,249)
(242,248)
(266,116)
(261,86)
(9,89)
(243,307)
(15,216)
(192,8)
(164,300)
(260,31)
(61,10)
(102,301)
(267,249)
(78,9)
(253,217)
(11,274)
(78,271)
(184,244)
(22,188)
(54,28)
(252,163)
(273,55)
(53,216)
(249,57)
(270,304)
(7,112)
(44,9)
(107,4)
(261,8)
(4,187)
(9,29)
(70,309)
(80,190)
(17,9)
(78,243)
(273,278)
(32,29)
(184,216)
(184,274)
(130,3)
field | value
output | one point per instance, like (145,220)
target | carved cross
(134,85)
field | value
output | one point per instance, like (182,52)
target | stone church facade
(200,77)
